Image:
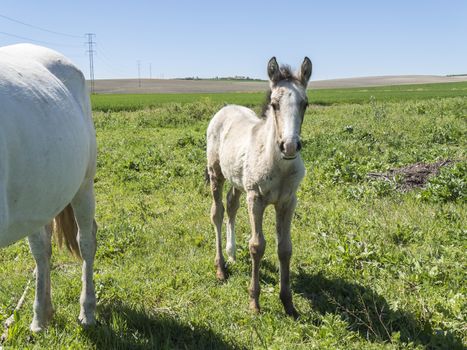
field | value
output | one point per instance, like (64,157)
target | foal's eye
(275,106)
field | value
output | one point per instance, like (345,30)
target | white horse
(260,156)
(47,166)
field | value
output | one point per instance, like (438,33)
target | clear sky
(225,38)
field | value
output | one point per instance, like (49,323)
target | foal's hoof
(254,307)
(289,308)
(221,273)
(292,313)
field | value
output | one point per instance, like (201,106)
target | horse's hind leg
(217,214)
(41,249)
(84,207)
(233,202)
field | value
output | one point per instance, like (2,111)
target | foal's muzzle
(290,148)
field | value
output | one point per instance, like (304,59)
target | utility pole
(150,70)
(91,51)
(139,73)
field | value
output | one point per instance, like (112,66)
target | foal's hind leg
(233,202)
(41,249)
(83,207)
(217,215)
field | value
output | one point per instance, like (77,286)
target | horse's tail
(65,230)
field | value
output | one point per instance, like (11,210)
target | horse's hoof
(87,321)
(36,327)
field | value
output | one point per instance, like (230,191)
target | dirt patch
(176,86)
(411,176)
(156,86)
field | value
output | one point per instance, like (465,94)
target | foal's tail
(207,179)
(65,230)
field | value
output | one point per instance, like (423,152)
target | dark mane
(265,105)
(286,74)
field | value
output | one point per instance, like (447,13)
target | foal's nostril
(299,146)
(281,146)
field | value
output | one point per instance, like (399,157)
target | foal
(260,156)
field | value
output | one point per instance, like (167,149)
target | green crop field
(374,267)
(323,97)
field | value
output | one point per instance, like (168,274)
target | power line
(39,28)
(106,64)
(107,69)
(91,51)
(104,55)
(38,41)
(90,43)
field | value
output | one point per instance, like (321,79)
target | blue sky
(226,38)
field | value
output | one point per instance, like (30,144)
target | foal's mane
(286,73)
(265,105)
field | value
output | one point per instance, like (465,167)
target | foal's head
(288,102)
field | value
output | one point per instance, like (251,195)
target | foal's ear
(274,72)
(305,72)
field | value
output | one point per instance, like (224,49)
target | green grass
(132,102)
(373,268)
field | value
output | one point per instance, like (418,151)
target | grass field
(373,267)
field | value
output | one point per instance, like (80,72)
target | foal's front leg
(284,213)
(257,245)
(41,249)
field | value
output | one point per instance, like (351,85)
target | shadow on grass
(369,313)
(122,327)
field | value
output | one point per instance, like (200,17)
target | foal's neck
(271,142)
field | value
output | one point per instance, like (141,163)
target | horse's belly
(45,185)
(11,230)
(18,230)
(45,166)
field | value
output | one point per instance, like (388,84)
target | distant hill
(235,78)
(132,86)
(386,80)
